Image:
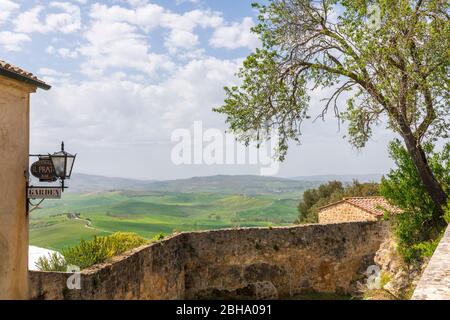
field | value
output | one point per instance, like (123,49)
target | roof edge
(19,77)
(331,204)
(350,203)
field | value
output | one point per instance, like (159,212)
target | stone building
(355,209)
(16,85)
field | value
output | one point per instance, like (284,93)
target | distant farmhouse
(355,209)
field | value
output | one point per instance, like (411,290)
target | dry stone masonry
(261,263)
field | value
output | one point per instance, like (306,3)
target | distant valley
(96,205)
(248,184)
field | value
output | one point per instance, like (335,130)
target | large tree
(383,61)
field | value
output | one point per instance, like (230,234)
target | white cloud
(148,17)
(66,20)
(131,92)
(137,3)
(118,45)
(67,53)
(12,41)
(50,50)
(181,39)
(113,110)
(29,21)
(53,76)
(62,52)
(52,72)
(118,36)
(7,7)
(236,35)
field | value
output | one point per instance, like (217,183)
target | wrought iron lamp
(63,164)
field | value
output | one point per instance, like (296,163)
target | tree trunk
(429,181)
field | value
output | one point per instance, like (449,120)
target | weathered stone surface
(260,290)
(344,212)
(435,281)
(257,263)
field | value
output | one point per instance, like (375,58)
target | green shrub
(54,262)
(159,236)
(426,248)
(416,228)
(124,241)
(447,213)
(90,252)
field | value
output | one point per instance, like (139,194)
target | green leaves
(415,227)
(53,262)
(90,252)
(397,71)
(266,100)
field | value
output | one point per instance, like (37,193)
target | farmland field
(97,205)
(60,223)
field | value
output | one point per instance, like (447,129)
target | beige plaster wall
(344,212)
(14,150)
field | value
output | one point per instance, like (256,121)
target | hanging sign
(44,170)
(44,192)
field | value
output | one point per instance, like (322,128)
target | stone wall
(233,263)
(434,284)
(344,212)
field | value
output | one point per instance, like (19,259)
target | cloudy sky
(126,74)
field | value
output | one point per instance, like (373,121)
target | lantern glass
(69,165)
(59,162)
(63,163)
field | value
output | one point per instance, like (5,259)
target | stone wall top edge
(184,235)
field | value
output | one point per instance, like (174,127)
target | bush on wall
(90,252)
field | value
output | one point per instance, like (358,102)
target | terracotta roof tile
(373,205)
(12,71)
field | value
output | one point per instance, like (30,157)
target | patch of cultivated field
(81,216)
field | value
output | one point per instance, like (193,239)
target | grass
(151,213)
(62,234)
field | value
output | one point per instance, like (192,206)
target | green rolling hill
(100,205)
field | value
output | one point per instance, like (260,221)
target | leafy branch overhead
(392,69)
(397,68)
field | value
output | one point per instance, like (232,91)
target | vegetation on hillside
(55,226)
(419,227)
(219,184)
(331,192)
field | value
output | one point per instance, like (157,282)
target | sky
(127,75)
